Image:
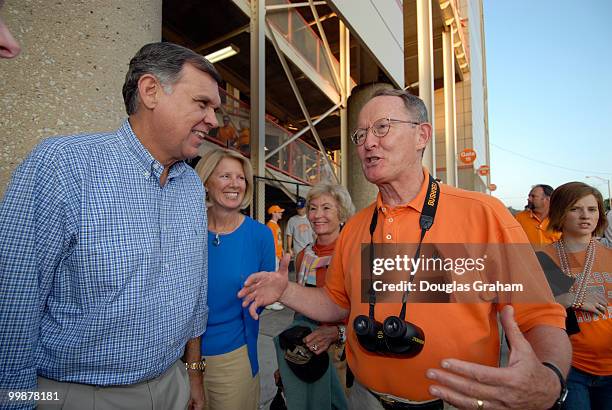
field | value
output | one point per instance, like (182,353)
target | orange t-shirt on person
(592,346)
(466,331)
(226,134)
(536,229)
(278,237)
(245,137)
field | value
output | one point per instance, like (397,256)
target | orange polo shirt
(592,346)
(536,229)
(466,331)
(278,237)
(226,134)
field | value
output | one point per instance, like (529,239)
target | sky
(549,69)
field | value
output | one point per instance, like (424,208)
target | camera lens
(362,325)
(394,327)
(403,337)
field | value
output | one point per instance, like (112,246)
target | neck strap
(428,214)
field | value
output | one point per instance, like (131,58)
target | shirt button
(388,237)
(390,219)
(383,209)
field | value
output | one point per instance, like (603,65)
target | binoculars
(392,337)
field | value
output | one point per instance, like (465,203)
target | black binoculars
(393,337)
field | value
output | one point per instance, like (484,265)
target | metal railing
(298,159)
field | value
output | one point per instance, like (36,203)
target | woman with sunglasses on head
(576,209)
(237,247)
(328,207)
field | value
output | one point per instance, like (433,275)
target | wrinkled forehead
(382,107)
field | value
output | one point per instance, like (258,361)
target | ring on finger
(479,405)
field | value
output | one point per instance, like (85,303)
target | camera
(392,337)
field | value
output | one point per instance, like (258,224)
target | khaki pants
(228,384)
(359,398)
(340,365)
(169,391)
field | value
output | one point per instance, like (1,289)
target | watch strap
(201,366)
(563,392)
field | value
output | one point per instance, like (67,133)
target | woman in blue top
(237,247)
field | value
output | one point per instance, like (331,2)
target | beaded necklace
(579,288)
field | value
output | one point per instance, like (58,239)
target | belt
(389,403)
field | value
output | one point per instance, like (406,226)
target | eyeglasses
(380,128)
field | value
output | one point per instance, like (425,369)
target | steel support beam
(258,102)
(221,39)
(345,80)
(298,96)
(330,56)
(293,5)
(426,73)
(302,131)
(450,112)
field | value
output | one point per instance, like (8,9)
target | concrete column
(362,191)
(450,113)
(69,75)
(426,74)
(258,104)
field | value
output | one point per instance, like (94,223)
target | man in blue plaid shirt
(103,275)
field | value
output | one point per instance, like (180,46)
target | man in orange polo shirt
(458,362)
(534,219)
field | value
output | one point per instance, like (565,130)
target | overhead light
(457,43)
(461,55)
(462,66)
(449,21)
(224,53)
(444,4)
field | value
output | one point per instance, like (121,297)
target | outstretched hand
(264,288)
(524,384)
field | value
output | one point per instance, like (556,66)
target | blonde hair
(342,197)
(206,166)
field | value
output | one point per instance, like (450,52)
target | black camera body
(394,336)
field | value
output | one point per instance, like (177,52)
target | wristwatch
(201,365)
(563,395)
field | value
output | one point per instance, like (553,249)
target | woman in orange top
(576,209)
(329,207)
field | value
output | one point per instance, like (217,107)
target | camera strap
(428,214)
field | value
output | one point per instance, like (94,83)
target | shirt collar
(416,203)
(144,157)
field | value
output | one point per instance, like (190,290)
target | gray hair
(413,104)
(164,61)
(340,195)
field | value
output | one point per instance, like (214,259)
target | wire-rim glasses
(379,128)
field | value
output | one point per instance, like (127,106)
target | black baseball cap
(306,365)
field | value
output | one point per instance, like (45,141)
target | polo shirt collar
(416,203)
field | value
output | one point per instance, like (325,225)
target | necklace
(217,239)
(580,286)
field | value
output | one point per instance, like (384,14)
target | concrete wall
(69,75)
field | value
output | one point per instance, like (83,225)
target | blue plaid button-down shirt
(103,274)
